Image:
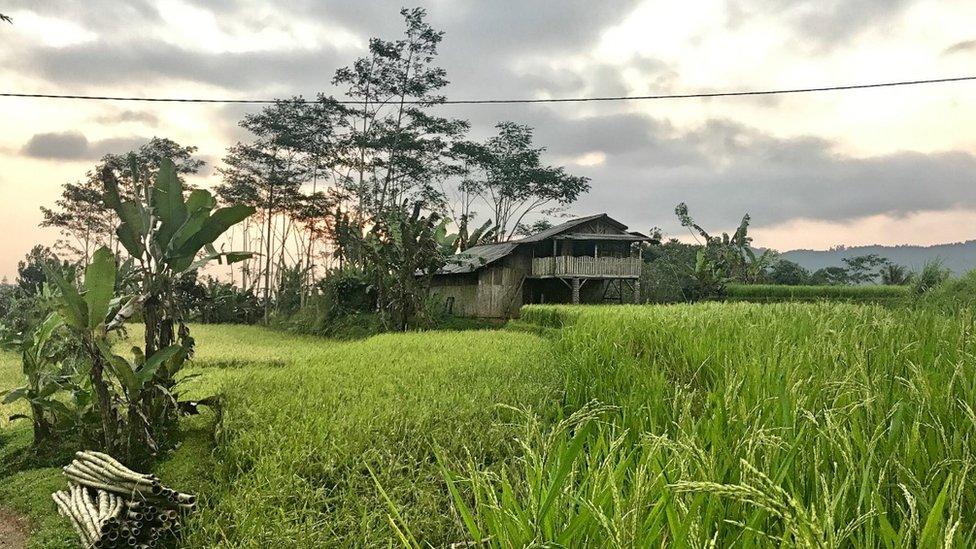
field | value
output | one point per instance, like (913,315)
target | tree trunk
(267,265)
(42,429)
(106,411)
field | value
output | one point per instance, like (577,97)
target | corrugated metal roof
(551,232)
(601,236)
(474,258)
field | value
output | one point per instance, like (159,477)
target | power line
(703,95)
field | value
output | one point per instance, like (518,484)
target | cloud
(57,146)
(129,116)
(72,145)
(825,24)
(115,64)
(723,169)
(961,47)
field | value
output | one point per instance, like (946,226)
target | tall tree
(507,173)
(31,276)
(267,173)
(84,221)
(397,148)
(864,269)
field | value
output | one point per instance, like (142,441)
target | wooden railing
(569,266)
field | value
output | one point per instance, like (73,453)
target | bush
(952,294)
(343,306)
(216,302)
(932,275)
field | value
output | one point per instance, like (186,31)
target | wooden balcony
(564,266)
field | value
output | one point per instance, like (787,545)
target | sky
(884,166)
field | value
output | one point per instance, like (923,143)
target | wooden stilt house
(591,259)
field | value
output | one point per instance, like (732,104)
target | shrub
(952,294)
(931,276)
(216,302)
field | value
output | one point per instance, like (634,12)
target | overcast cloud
(833,158)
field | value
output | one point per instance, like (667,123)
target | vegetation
(311,418)
(629,426)
(773,292)
(784,425)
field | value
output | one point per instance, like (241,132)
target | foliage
(723,259)
(290,147)
(215,302)
(776,292)
(667,275)
(396,149)
(291,289)
(466,238)
(895,275)
(348,290)
(931,276)
(951,295)
(30,271)
(81,215)
(536,226)
(402,251)
(788,272)
(44,375)
(830,276)
(507,173)
(864,269)
(719,421)
(164,232)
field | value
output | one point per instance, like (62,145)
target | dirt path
(13,530)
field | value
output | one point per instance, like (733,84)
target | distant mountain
(960,256)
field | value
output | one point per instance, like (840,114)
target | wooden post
(576,291)
(636,290)
(554,256)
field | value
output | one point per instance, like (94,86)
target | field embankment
(776,293)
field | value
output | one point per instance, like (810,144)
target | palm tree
(894,275)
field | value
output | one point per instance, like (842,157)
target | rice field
(823,425)
(709,425)
(869,293)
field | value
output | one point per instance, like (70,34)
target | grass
(818,425)
(709,425)
(311,428)
(776,293)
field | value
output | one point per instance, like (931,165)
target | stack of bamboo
(110,505)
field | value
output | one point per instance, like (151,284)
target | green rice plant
(810,425)
(776,292)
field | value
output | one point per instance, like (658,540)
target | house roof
(629,237)
(474,258)
(562,227)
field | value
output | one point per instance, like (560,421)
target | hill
(959,256)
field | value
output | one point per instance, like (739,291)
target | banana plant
(167,234)
(41,367)
(159,226)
